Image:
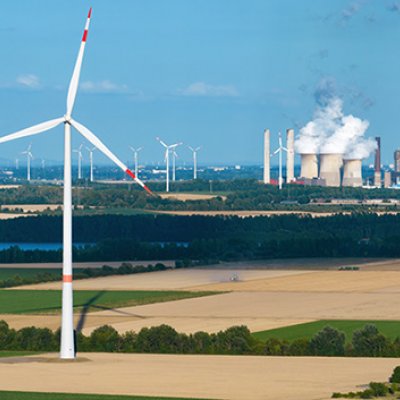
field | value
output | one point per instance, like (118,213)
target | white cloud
(104,86)
(205,89)
(29,80)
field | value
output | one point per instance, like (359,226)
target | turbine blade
(163,143)
(91,137)
(33,130)
(73,85)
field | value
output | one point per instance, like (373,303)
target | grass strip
(49,301)
(391,329)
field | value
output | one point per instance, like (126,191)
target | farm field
(390,329)
(49,301)
(189,376)
(68,396)
(167,280)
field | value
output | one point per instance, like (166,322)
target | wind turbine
(91,150)
(174,157)
(80,158)
(279,150)
(16,163)
(29,157)
(67,347)
(135,158)
(168,148)
(194,151)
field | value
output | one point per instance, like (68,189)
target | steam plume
(333,132)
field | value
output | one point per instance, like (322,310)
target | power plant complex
(330,169)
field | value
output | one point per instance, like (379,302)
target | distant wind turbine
(91,150)
(29,157)
(279,150)
(67,347)
(168,149)
(194,151)
(80,158)
(135,158)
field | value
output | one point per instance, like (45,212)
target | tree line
(206,239)
(240,194)
(237,340)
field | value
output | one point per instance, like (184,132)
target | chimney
(352,173)
(309,166)
(377,164)
(330,169)
(290,156)
(267,156)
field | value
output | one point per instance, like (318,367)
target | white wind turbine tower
(194,151)
(80,158)
(279,150)
(135,158)
(168,149)
(16,163)
(91,150)
(29,157)
(67,347)
(174,157)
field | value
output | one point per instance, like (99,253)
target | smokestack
(352,173)
(267,156)
(330,168)
(290,155)
(309,166)
(377,164)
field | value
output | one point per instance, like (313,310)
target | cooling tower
(309,166)
(266,157)
(329,169)
(352,175)
(290,155)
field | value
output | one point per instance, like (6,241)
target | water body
(38,246)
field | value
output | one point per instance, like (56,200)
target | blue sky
(205,72)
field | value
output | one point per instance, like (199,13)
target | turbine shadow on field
(85,310)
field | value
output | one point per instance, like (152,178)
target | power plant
(324,169)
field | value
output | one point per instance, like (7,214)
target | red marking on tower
(67,278)
(84,37)
(90,12)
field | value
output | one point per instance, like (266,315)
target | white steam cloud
(333,132)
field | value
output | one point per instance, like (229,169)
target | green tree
(328,342)
(105,338)
(368,342)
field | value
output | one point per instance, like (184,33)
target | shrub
(378,389)
(395,377)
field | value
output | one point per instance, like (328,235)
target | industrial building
(328,169)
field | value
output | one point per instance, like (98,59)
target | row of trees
(105,270)
(367,342)
(241,194)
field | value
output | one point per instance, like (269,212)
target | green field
(49,301)
(7,273)
(16,353)
(4,395)
(390,329)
